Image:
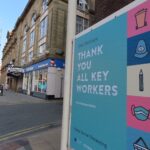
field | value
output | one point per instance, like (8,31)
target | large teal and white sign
(98,120)
(111,84)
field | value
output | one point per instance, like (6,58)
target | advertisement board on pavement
(111,69)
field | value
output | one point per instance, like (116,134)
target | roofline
(24,13)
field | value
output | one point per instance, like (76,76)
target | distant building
(33,57)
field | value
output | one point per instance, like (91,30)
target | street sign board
(103,107)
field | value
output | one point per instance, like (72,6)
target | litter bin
(140,17)
(1,90)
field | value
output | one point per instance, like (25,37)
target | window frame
(33,19)
(32,38)
(30,56)
(42,81)
(43,27)
(24,45)
(42,49)
(81,24)
(44,5)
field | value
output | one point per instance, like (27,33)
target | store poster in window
(42,84)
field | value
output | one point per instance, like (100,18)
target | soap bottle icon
(141,80)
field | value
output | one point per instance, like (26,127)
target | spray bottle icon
(141,80)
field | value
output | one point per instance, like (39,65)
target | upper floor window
(44,5)
(33,19)
(43,27)
(82,4)
(42,49)
(25,30)
(24,45)
(30,56)
(23,61)
(82,24)
(32,38)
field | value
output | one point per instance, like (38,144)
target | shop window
(36,81)
(40,84)
(43,27)
(25,30)
(32,38)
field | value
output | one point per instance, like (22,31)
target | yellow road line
(24,131)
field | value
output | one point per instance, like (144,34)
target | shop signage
(29,69)
(43,65)
(59,63)
(110,85)
(15,71)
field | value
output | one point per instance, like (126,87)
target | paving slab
(45,140)
(13,98)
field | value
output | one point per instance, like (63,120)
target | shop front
(44,79)
(14,78)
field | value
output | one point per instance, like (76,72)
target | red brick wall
(106,7)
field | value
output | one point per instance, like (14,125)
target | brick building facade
(104,8)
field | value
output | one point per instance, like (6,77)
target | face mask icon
(140,144)
(140,113)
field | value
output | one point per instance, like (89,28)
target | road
(19,112)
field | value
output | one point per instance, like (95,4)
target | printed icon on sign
(141,50)
(141,80)
(140,18)
(140,113)
(77,141)
(140,144)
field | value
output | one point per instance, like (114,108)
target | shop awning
(15,71)
(58,63)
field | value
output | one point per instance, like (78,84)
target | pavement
(9,98)
(45,139)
